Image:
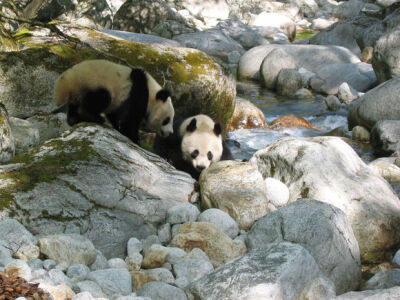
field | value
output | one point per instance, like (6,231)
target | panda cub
(125,95)
(196,143)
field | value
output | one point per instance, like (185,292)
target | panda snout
(200,168)
(165,133)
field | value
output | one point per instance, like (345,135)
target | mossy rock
(198,82)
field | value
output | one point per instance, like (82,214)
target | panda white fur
(126,96)
(196,143)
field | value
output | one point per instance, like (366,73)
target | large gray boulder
(7,144)
(329,170)
(385,136)
(387,294)
(94,181)
(277,271)
(380,103)
(141,37)
(320,228)
(310,57)
(328,79)
(213,42)
(386,59)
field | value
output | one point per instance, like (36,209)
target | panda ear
(217,129)
(163,94)
(192,125)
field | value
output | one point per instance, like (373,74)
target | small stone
(134,246)
(140,278)
(117,263)
(360,133)
(134,261)
(78,272)
(182,213)
(149,241)
(164,233)
(154,257)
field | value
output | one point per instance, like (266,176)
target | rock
(58,277)
(71,248)
(310,57)
(134,246)
(304,94)
(320,288)
(140,278)
(141,16)
(15,237)
(236,188)
(221,220)
(246,115)
(95,14)
(100,262)
(197,253)
(164,233)
(305,77)
(241,33)
(391,293)
(216,244)
(367,54)
(150,241)
(107,208)
(289,121)
(271,34)
(360,133)
(383,280)
(49,264)
(170,28)
(275,61)
(78,272)
(380,103)
(24,133)
(161,291)
(49,125)
(18,268)
(213,42)
(113,281)
(260,274)
(386,60)
(327,80)
(175,254)
(276,191)
(329,170)
(58,292)
(386,167)
(134,261)
(385,136)
(276,20)
(5,256)
(142,38)
(321,23)
(182,213)
(288,82)
(346,93)
(117,263)
(7,143)
(161,274)
(192,269)
(332,102)
(317,227)
(338,34)
(154,257)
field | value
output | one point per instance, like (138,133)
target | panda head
(201,142)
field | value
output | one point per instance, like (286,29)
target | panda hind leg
(93,104)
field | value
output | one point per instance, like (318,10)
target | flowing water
(273,106)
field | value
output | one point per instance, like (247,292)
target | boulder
(320,228)
(142,16)
(26,136)
(310,57)
(277,271)
(141,37)
(288,82)
(49,125)
(328,79)
(236,188)
(7,144)
(246,115)
(392,293)
(329,170)
(278,21)
(217,245)
(385,136)
(160,290)
(213,42)
(380,103)
(131,192)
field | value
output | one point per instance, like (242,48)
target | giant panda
(195,144)
(125,95)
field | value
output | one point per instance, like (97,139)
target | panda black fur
(126,96)
(195,144)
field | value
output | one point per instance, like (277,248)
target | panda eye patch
(194,154)
(166,121)
(210,155)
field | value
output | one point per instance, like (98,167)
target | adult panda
(195,144)
(125,95)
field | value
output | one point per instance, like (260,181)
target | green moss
(307,33)
(44,169)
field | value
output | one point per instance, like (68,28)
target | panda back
(91,75)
